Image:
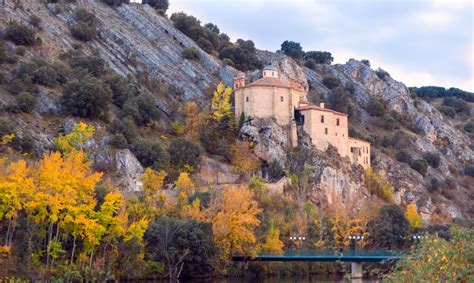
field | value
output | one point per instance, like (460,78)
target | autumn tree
(234,218)
(220,104)
(80,134)
(272,244)
(413,217)
(244,161)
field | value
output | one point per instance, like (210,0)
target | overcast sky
(419,42)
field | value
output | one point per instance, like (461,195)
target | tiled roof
(307,106)
(268,81)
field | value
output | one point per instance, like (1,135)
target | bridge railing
(363,253)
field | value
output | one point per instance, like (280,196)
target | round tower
(270,72)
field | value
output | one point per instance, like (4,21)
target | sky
(419,42)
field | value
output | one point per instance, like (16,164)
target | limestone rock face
(215,172)
(269,140)
(128,170)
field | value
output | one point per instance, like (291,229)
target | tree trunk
(73,249)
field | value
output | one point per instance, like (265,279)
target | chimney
(321,104)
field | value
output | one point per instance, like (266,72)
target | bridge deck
(345,256)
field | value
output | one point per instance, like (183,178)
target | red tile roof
(268,81)
(308,106)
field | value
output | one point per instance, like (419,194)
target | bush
(469,170)
(142,109)
(119,141)
(448,111)
(420,165)
(87,97)
(205,44)
(275,171)
(319,57)
(45,75)
(5,55)
(458,104)
(432,158)
(85,28)
(20,34)
(378,185)
(365,62)
(5,128)
(382,74)
(93,64)
(35,20)
(125,127)
(184,152)
(119,87)
(116,2)
(469,127)
(26,102)
(310,64)
(375,107)
(389,229)
(434,185)
(190,53)
(403,156)
(151,154)
(242,56)
(331,82)
(292,49)
(158,4)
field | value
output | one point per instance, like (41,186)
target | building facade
(271,97)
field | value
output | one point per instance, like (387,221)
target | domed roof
(269,68)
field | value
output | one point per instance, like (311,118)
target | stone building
(286,102)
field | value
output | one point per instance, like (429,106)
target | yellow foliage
(234,218)
(193,119)
(193,210)
(273,243)
(378,185)
(413,217)
(244,161)
(81,132)
(186,187)
(220,104)
(136,230)
(152,184)
(178,128)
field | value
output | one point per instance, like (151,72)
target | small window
(337,122)
(326,131)
(352,149)
(336,134)
(264,73)
(322,118)
(273,74)
(281,98)
(247,99)
(360,152)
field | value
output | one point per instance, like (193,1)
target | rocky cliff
(135,40)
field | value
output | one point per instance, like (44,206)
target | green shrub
(448,111)
(275,171)
(403,156)
(331,82)
(469,170)
(365,62)
(87,97)
(125,127)
(375,107)
(120,89)
(158,4)
(190,53)
(116,2)
(20,34)
(205,44)
(458,104)
(5,55)
(151,154)
(119,141)
(142,109)
(319,57)
(35,20)
(24,144)
(5,128)
(85,28)
(242,56)
(382,74)
(432,158)
(26,102)
(310,64)
(45,75)
(93,64)
(420,165)
(434,185)
(292,49)
(469,127)
(20,50)
(184,152)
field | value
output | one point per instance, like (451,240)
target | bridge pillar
(356,272)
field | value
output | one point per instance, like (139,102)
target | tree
(220,104)
(292,49)
(376,107)
(87,97)
(152,184)
(142,109)
(413,217)
(80,134)
(184,152)
(273,244)
(158,4)
(378,185)
(319,57)
(234,217)
(275,171)
(186,187)
(20,34)
(185,246)
(26,102)
(432,158)
(438,260)
(243,160)
(389,229)
(151,154)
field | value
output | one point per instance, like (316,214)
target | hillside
(137,42)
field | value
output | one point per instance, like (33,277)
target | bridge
(355,257)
